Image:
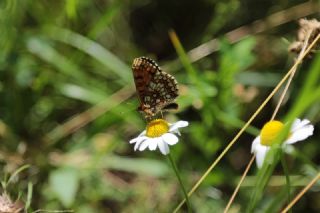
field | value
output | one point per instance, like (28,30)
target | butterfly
(156,89)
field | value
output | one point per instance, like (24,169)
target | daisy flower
(300,130)
(159,133)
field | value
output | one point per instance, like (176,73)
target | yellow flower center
(270,132)
(156,128)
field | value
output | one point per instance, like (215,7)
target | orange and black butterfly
(156,89)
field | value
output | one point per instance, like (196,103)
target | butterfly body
(156,89)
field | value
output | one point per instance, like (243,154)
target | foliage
(68,104)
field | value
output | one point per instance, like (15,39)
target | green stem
(174,166)
(286,172)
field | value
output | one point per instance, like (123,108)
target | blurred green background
(67,100)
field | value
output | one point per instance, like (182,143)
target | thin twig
(302,192)
(272,118)
(197,184)
(89,115)
(273,115)
(236,137)
(284,92)
(239,184)
(195,54)
(258,26)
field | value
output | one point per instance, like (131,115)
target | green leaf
(94,49)
(237,57)
(140,165)
(46,52)
(90,95)
(64,182)
(71,8)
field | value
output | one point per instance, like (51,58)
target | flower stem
(286,172)
(174,166)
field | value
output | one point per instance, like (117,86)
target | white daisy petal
(137,145)
(142,133)
(177,132)
(297,124)
(144,144)
(163,146)
(255,142)
(153,143)
(165,139)
(137,139)
(261,152)
(300,134)
(170,138)
(134,140)
(140,136)
(300,130)
(178,125)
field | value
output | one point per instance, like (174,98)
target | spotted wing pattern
(156,89)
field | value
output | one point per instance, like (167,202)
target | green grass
(68,104)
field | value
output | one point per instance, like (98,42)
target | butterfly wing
(142,73)
(156,89)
